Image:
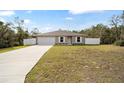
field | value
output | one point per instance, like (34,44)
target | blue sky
(50,20)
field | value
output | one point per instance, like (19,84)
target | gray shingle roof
(61,33)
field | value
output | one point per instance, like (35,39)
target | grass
(11,48)
(71,64)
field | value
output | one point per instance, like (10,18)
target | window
(78,39)
(61,39)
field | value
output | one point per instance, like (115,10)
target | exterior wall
(74,40)
(92,40)
(31,41)
(83,40)
(57,40)
(67,40)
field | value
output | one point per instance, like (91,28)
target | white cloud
(29,11)
(27,21)
(48,28)
(69,18)
(84,11)
(7,13)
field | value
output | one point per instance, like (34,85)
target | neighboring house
(60,37)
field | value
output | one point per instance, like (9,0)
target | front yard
(103,63)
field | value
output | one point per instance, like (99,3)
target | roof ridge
(61,33)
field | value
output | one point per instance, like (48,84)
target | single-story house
(61,37)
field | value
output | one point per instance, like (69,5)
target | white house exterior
(63,37)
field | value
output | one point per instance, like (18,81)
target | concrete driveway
(15,65)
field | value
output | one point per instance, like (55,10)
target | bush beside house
(119,43)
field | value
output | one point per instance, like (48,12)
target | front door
(69,40)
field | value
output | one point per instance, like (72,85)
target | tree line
(108,34)
(12,34)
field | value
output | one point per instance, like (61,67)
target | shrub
(16,44)
(119,43)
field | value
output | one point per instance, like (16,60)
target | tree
(74,31)
(35,31)
(94,31)
(122,27)
(107,36)
(7,35)
(115,22)
(21,33)
(100,31)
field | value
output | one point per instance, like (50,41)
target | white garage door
(46,40)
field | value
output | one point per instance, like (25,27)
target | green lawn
(11,48)
(102,63)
